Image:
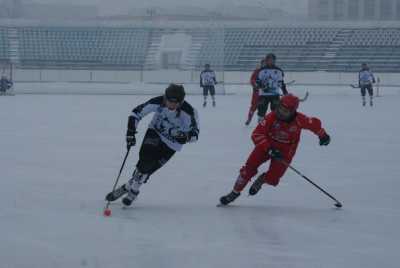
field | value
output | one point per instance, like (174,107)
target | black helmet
(271,56)
(175,93)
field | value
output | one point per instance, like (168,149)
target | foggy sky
(106,7)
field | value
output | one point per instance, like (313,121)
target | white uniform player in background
(365,81)
(208,81)
(270,83)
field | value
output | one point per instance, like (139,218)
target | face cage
(283,113)
(177,104)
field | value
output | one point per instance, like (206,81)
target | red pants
(253,105)
(259,156)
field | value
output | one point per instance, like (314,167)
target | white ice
(60,155)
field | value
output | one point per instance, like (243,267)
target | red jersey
(253,78)
(272,132)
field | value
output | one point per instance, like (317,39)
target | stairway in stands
(198,37)
(335,46)
(14,45)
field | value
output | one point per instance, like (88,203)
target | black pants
(264,101)
(207,89)
(154,153)
(366,88)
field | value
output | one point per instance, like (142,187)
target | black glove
(275,154)
(130,133)
(182,137)
(130,139)
(324,140)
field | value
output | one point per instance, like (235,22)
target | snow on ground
(60,155)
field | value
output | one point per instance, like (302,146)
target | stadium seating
(379,47)
(83,46)
(295,47)
(4,45)
(230,48)
(305,49)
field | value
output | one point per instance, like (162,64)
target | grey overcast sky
(117,6)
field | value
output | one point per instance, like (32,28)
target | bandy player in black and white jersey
(270,85)
(365,81)
(208,81)
(175,123)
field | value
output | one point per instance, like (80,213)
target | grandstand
(379,47)
(4,45)
(301,48)
(297,48)
(82,47)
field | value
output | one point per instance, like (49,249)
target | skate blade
(127,207)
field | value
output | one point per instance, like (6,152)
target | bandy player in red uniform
(276,138)
(255,94)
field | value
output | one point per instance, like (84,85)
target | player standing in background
(208,81)
(365,81)
(271,86)
(276,138)
(255,93)
(5,84)
(174,124)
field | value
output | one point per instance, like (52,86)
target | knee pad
(139,177)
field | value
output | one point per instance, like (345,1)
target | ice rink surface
(60,155)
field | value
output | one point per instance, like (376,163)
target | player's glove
(182,137)
(275,154)
(324,140)
(130,139)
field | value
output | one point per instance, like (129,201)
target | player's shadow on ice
(235,210)
(284,211)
